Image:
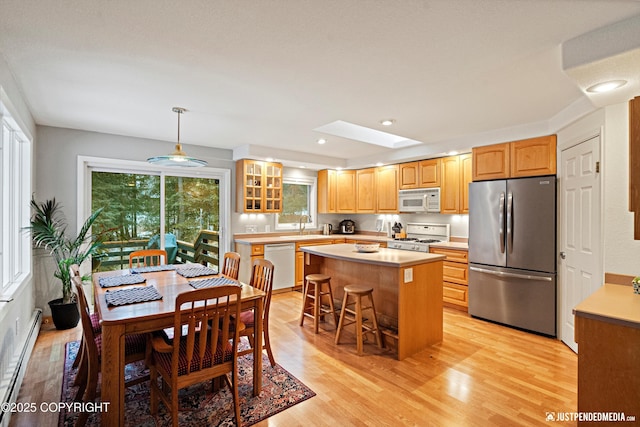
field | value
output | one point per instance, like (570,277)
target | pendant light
(178,158)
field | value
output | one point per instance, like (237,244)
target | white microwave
(420,200)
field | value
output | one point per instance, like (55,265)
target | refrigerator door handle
(510,221)
(507,274)
(501,221)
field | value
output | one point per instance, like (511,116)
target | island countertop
(613,304)
(384,256)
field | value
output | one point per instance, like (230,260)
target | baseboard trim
(19,366)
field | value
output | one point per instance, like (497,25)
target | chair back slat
(85,317)
(262,278)
(231,265)
(147,257)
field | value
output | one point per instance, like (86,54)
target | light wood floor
(481,375)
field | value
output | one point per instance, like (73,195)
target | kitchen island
(607,330)
(407,289)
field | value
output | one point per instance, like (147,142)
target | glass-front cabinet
(259,186)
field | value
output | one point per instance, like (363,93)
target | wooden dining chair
(261,278)
(147,257)
(231,265)
(74,270)
(198,354)
(90,364)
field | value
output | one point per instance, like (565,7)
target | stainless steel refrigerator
(512,247)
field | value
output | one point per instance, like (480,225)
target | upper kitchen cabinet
(529,157)
(450,188)
(533,157)
(466,169)
(366,190)
(422,174)
(454,189)
(491,162)
(386,189)
(346,191)
(259,186)
(327,198)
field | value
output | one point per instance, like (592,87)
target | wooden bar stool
(357,292)
(317,286)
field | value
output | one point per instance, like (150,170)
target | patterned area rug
(199,406)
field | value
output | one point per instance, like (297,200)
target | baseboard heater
(18,367)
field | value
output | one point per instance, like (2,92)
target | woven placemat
(129,279)
(189,272)
(210,283)
(132,295)
(153,268)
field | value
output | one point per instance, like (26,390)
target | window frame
(86,165)
(15,197)
(312,182)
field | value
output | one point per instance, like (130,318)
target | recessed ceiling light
(322,141)
(606,86)
(452,153)
(303,167)
(387,122)
(379,164)
(339,168)
(269,159)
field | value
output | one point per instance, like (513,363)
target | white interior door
(580,260)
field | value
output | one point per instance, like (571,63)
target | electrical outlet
(408,275)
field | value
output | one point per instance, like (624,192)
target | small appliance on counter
(347,226)
(327,229)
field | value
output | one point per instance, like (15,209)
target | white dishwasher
(282,255)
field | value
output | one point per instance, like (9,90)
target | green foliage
(49,231)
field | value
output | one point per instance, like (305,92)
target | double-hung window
(15,195)
(298,204)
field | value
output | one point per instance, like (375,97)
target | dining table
(142,317)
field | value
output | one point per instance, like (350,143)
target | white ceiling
(266,73)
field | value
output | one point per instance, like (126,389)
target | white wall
(621,252)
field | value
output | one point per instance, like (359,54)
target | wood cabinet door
(533,157)
(466,170)
(272,188)
(327,202)
(387,189)
(429,173)
(346,191)
(409,175)
(450,185)
(366,190)
(491,162)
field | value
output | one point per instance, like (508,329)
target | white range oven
(419,236)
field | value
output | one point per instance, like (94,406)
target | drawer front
(455,294)
(455,272)
(257,250)
(452,254)
(312,243)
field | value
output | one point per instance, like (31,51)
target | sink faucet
(301,224)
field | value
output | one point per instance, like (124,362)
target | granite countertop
(450,245)
(304,237)
(384,256)
(613,304)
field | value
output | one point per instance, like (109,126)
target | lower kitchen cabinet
(300,256)
(455,277)
(250,253)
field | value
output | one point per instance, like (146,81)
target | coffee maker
(347,226)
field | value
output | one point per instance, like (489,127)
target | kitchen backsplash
(262,223)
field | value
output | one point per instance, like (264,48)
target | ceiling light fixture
(387,122)
(178,158)
(606,86)
(322,141)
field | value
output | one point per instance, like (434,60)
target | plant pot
(65,315)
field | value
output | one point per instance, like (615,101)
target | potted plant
(48,228)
